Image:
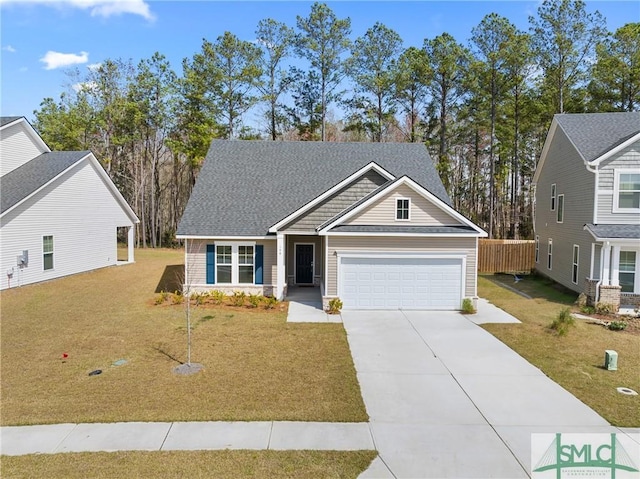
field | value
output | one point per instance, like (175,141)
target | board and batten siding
(626,159)
(339,201)
(196,258)
(79,210)
(564,167)
(379,244)
(16,148)
(422,211)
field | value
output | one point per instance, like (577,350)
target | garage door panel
(401,283)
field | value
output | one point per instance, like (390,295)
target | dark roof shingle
(24,180)
(593,134)
(245,187)
(615,231)
(5,120)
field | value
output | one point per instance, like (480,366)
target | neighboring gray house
(370,223)
(59,211)
(587,206)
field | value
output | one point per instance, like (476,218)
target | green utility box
(611,360)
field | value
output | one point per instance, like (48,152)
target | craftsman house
(369,223)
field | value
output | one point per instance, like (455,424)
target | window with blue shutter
(211,264)
(259,265)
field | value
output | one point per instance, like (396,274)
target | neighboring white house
(60,212)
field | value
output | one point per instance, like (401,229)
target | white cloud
(54,60)
(9,48)
(97,8)
(94,66)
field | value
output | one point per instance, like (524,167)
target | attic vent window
(402,208)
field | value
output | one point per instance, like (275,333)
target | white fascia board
(113,188)
(226,238)
(33,134)
(545,150)
(329,192)
(405,180)
(615,150)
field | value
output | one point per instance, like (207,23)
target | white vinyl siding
(383,211)
(450,245)
(16,148)
(79,211)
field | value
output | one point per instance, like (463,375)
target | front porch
(300,265)
(305,306)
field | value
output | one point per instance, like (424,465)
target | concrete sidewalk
(178,436)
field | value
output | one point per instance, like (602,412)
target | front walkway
(305,306)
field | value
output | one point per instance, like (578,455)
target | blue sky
(41,39)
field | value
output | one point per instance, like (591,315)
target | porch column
(130,238)
(280,269)
(615,267)
(606,270)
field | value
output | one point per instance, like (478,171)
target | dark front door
(304,264)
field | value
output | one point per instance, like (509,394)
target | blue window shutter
(259,261)
(211,264)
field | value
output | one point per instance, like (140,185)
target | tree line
(482,109)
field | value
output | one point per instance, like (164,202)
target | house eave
(225,237)
(614,150)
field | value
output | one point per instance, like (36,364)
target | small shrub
(254,300)
(161,297)
(467,306)
(199,298)
(270,302)
(177,298)
(587,309)
(617,325)
(605,308)
(238,298)
(217,296)
(335,306)
(563,322)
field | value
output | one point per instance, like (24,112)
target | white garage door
(401,283)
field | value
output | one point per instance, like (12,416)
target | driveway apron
(447,399)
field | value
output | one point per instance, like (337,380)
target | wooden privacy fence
(506,256)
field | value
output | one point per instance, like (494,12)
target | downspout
(594,170)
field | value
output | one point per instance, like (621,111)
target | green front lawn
(574,361)
(257,366)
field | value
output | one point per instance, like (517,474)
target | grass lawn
(574,361)
(257,366)
(196,464)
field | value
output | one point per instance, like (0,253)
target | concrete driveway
(447,399)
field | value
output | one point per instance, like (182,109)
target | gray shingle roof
(448,230)
(615,231)
(594,134)
(24,180)
(245,187)
(4,120)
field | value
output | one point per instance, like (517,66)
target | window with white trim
(627,191)
(537,249)
(574,265)
(627,271)
(403,206)
(553,197)
(47,252)
(560,209)
(235,263)
(550,254)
